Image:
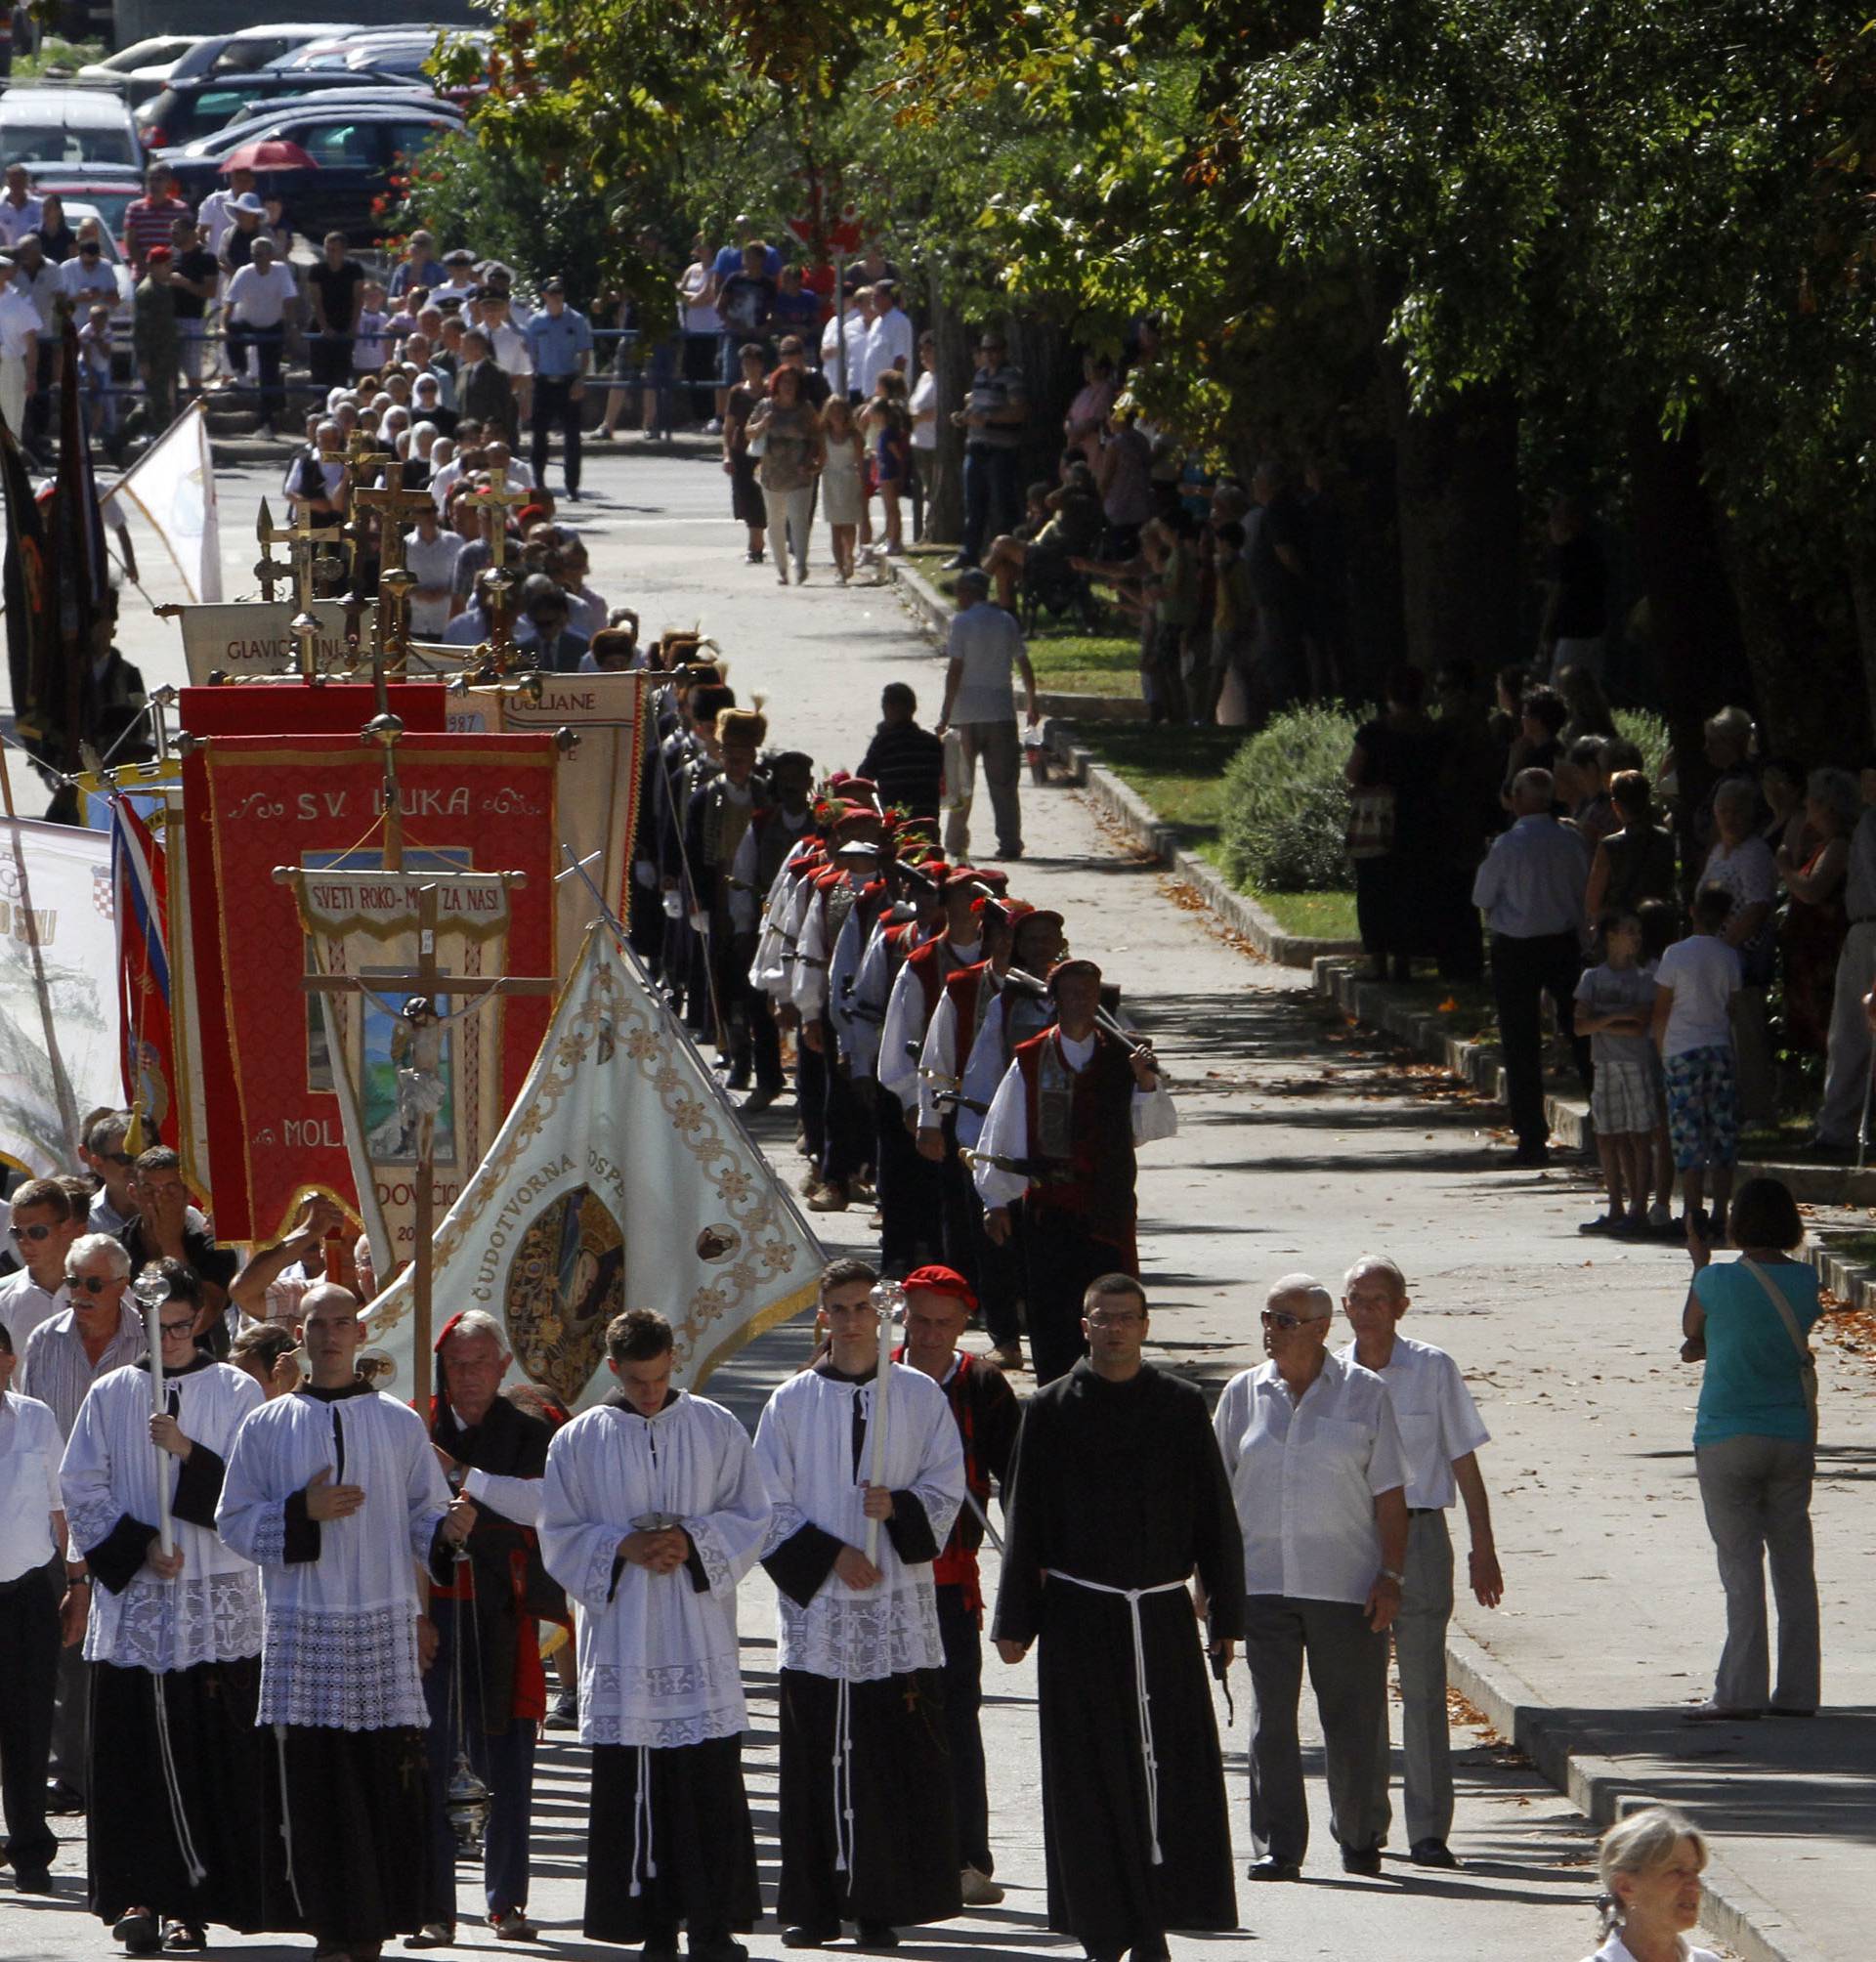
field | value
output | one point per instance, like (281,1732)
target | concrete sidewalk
(1305,1143)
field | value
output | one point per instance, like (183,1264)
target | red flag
(139,882)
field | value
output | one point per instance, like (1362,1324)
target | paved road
(1612,1601)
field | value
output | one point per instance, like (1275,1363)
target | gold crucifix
(304,537)
(268,569)
(391,640)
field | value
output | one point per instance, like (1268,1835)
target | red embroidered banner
(273,1130)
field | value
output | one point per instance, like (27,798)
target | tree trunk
(1693,618)
(1461,549)
(957,360)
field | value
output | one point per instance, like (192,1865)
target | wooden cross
(268,569)
(391,641)
(428,980)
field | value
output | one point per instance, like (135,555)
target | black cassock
(1121,1484)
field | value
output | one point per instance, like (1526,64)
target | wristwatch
(1395,1575)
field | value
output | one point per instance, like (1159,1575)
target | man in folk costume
(910,1184)
(780,822)
(939,1304)
(1019,1009)
(178,1775)
(967,997)
(916,875)
(867,1831)
(1118,1499)
(690,761)
(721,811)
(854,836)
(485,1687)
(335,1493)
(654,1509)
(1060,1136)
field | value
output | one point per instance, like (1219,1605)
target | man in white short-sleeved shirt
(1314,1454)
(1440,1433)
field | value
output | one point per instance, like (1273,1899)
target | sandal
(183,1937)
(138,1931)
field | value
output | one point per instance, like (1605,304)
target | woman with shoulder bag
(1754,1450)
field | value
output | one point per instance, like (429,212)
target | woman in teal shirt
(1754,1452)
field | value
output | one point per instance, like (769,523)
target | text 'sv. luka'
(412,803)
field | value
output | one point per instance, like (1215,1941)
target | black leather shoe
(1431,1852)
(1361,1860)
(806,1937)
(32,1880)
(1270,1867)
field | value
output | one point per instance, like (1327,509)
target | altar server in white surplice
(177,1770)
(652,1511)
(867,1827)
(335,1493)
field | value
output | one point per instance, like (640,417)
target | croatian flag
(140,886)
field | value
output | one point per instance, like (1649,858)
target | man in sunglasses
(1314,1455)
(43,1225)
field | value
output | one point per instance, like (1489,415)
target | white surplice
(339,1647)
(806,1446)
(658,1654)
(211,1611)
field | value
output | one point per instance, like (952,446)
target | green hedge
(1286,809)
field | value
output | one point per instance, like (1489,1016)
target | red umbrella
(275,154)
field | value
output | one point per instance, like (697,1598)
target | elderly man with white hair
(1440,1433)
(486,1689)
(1314,1457)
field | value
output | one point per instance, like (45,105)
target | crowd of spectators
(1706,959)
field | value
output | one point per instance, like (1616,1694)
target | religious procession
(632,1318)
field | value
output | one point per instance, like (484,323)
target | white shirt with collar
(30,1448)
(1306,1473)
(1615,1949)
(1437,1418)
(1531,883)
(17,220)
(891,341)
(18,324)
(25,1304)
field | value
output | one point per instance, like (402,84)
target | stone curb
(1425,1029)
(1131,813)
(1604,1790)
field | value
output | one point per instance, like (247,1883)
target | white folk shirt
(1437,1418)
(659,1666)
(339,1648)
(211,1612)
(901,1039)
(1305,1476)
(938,1066)
(771,968)
(25,1304)
(29,1451)
(805,1447)
(1005,1132)
(859,990)
(1014,1017)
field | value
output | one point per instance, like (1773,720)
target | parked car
(356,150)
(186,111)
(254,46)
(111,194)
(68,125)
(328,102)
(138,71)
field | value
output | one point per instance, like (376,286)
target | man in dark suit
(484,389)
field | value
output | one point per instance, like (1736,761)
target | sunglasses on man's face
(89,247)
(93,1284)
(34,1233)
